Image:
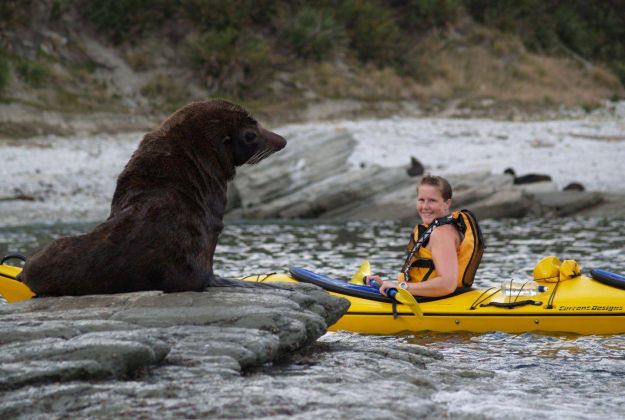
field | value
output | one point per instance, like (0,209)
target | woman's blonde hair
(439,182)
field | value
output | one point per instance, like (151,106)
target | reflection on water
(539,375)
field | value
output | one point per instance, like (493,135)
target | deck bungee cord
(488,293)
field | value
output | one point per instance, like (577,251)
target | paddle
(404,297)
(363,271)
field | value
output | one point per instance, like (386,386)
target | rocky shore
(228,353)
(79,342)
(315,177)
(347,171)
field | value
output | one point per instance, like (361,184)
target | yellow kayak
(11,289)
(580,305)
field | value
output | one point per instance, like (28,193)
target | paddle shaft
(405,298)
(391,292)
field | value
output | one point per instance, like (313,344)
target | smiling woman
(445,250)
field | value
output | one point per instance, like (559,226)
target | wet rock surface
(188,355)
(110,355)
(340,376)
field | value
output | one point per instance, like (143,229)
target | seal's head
(227,129)
(249,142)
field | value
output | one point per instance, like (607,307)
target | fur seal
(574,186)
(166,213)
(526,179)
(416,168)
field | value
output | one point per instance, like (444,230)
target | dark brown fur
(526,179)
(167,210)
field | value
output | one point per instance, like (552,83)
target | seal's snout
(275,141)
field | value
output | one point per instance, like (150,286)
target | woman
(444,251)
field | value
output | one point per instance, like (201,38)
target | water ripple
(495,375)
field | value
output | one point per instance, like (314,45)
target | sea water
(502,375)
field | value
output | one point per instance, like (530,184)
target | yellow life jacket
(420,265)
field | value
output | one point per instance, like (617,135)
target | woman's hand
(387,285)
(383,285)
(369,281)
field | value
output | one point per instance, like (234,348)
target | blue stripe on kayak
(609,278)
(356,290)
(337,286)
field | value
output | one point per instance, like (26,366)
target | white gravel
(68,179)
(590,151)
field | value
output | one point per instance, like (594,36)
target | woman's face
(430,203)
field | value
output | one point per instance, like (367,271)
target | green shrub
(35,73)
(232,60)
(373,33)
(14,12)
(214,49)
(252,50)
(618,67)
(312,33)
(584,27)
(225,14)
(59,8)
(422,15)
(125,20)
(5,72)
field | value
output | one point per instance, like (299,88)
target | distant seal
(167,209)
(574,186)
(526,179)
(416,168)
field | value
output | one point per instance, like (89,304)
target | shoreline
(23,121)
(347,169)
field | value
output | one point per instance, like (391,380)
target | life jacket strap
(424,263)
(415,248)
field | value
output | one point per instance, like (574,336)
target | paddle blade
(403,296)
(363,270)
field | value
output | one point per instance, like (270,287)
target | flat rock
(223,330)
(322,380)
(564,203)
(501,204)
(306,162)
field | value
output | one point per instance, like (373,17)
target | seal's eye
(250,136)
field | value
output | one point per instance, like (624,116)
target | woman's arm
(444,243)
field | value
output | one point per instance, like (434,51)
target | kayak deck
(594,313)
(581,305)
